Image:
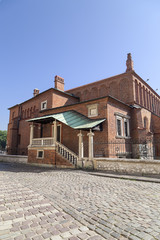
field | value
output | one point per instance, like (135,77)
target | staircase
(66,153)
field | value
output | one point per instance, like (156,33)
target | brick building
(114,117)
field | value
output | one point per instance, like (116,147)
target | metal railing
(127,149)
(66,153)
(42,142)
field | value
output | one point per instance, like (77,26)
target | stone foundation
(128,166)
(13,158)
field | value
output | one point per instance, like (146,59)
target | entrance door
(58,132)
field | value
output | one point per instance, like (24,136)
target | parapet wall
(13,158)
(128,166)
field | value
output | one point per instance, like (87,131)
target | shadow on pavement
(20,167)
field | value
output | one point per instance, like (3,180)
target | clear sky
(81,40)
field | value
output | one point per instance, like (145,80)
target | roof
(71,118)
(54,89)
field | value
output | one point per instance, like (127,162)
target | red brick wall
(47,130)
(112,108)
(12,133)
(24,132)
(60,161)
(18,128)
(120,87)
(127,87)
(60,99)
(138,130)
(50,157)
(82,108)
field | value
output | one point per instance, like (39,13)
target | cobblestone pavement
(38,203)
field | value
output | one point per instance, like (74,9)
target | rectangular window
(126,127)
(119,127)
(43,105)
(122,125)
(40,154)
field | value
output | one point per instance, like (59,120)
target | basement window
(40,154)
(43,105)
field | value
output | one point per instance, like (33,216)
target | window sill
(122,137)
(93,115)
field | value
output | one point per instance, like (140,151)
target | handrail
(49,141)
(66,153)
(42,138)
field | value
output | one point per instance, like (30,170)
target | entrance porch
(56,148)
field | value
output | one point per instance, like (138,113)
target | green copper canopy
(71,118)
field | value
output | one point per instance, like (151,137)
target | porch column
(31,133)
(55,131)
(90,143)
(80,135)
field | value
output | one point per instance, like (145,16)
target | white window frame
(42,154)
(43,108)
(123,118)
(120,119)
(90,108)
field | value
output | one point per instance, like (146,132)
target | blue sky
(81,40)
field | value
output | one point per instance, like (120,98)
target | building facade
(114,117)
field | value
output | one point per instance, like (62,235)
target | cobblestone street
(39,203)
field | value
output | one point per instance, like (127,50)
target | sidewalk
(154,179)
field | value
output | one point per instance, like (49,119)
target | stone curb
(126,177)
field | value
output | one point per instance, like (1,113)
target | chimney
(59,83)
(35,92)
(129,63)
